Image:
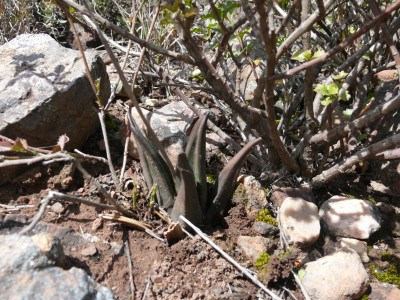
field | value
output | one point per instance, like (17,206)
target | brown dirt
(189,269)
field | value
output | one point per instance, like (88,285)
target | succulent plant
(184,190)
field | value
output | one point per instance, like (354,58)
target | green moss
(266,191)
(364,297)
(264,215)
(211,178)
(371,199)
(390,274)
(262,261)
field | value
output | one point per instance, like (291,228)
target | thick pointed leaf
(196,154)
(187,201)
(155,168)
(226,182)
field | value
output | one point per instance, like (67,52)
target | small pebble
(116,247)
(89,251)
(57,208)
(97,223)
(265,229)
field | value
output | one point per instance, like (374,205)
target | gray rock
(359,246)
(265,229)
(52,283)
(299,221)
(253,246)
(346,217)
(338,276)
(20,254)
(26,273)
(45,92)
(170,123)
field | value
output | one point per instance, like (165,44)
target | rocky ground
(273,230)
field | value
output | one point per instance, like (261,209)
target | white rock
(385,291)
(299,221)
(337,276)
(253,246)
(359,246)
(348,217)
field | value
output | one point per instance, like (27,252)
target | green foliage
(301,273)
(391,274)
(332,91)
(153,194)
(306,55)
(262,261)
(211,178)
(372,199)
(364,297)
(264,215)
(342,75)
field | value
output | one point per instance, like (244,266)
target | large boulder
(44,91)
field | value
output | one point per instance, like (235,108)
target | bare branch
(59,156)
(303,27)
(269,38)
(375,22)
(56,195)
(361,155)
(341,131)
(128,35)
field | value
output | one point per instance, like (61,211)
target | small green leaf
(318,54)
(362,137)
(347,113)
(340,76)
(327,89)
(302,272)
(301,55)
(306,55)
(344,95)
(368,55)
(153,194)
(326,101)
